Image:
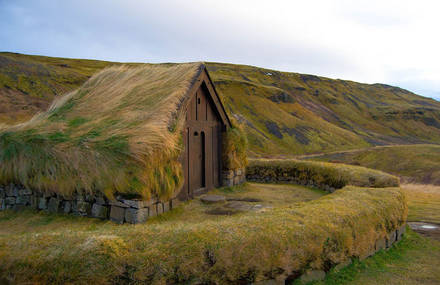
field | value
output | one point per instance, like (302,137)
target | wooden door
(197,159)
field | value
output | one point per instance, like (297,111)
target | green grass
(186,245)
(413,163)
(320,173)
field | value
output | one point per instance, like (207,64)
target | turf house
(131,143)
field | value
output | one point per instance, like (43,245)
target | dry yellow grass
(119,132)
(244,248)
(423,202)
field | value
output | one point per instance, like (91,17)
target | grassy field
(186,244)
(423,202)
(413,163)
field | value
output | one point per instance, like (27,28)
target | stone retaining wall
(289,179)
(233,177)
(311,275)
(120,210)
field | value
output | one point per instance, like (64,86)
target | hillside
(284,113)
(413,163)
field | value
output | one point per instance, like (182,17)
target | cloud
(368,41)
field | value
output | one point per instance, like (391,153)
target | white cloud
(394,42)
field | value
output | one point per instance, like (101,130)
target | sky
(391,42)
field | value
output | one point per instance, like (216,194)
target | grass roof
(119,132)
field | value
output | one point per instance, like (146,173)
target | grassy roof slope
(117,133)
(29,83)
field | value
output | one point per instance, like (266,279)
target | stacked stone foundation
(233,177)
(120,210)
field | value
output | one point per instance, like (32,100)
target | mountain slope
(283,113)
(291,113)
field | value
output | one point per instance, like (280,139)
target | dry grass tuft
(119,132)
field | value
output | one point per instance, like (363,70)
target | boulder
(2,193)
(136,216)
(159,208)
(166,206)
(99,211)
(152,210)
(34,202)
(212,199)
(2,204)
(100,201)
(117,214)
(228,182)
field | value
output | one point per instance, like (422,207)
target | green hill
(284,113)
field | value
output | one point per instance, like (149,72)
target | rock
(67,207)
(175,203)
(152,210)
(2,193)
(136,216)
(24,191)
(391,239)
(34,202)
(99,211)
(380,244)
(54,205)
(23,200)
(239,206)
(2,204)
(10,200)
(238,171)
(228,173)
(312,275)
(100,201)
(228,182)
(166,206)
(212,199)
(11,190)
(236,180)
(138,204)
(159,208)
(42,203)
(83,208)
(342,265)
(117,214)
(118,204)
(400,231)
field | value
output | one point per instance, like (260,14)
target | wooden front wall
(202,139)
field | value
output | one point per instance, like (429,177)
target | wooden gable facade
(205,123)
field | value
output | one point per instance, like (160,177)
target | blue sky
(392,42)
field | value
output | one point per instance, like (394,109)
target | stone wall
(120,210)
(289,179)
(233,177)
(311,275)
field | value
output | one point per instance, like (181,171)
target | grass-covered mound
(320,174)
(413,163)
(248,247)
(119,132)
